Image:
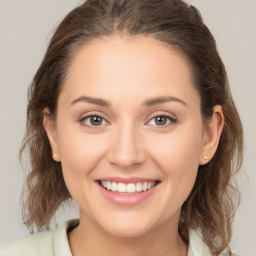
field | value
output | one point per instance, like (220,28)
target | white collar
(197,246)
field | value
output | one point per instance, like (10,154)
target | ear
(50,129)
(212,133)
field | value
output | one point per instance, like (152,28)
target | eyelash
(171,119)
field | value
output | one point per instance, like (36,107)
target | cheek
(177,151)
(79,153)
(177,156)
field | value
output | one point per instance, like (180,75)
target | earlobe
(213,130)
(50,129)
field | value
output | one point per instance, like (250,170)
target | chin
(127,231)
(128,227)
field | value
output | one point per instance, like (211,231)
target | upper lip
(127,180)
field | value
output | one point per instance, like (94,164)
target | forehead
(131,66)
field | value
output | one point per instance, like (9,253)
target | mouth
(129,188)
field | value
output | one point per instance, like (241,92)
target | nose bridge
(127,148)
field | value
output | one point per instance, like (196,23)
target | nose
(126,149)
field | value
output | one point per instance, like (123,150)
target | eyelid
(172,118)
(162,113)
(90,114)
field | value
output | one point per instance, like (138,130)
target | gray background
(25,29)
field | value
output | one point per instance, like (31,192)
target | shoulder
(37,244)
(226,254)
(47,243)
(197,247)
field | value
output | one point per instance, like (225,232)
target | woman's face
(128,119)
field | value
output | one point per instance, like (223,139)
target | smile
(130,188)
(127,192)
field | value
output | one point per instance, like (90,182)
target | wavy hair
(211,205)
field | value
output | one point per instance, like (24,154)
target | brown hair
(214,198)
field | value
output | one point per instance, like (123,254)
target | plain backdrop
(25,29)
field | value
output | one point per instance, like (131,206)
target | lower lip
(126,199)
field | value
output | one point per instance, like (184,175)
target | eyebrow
(147,103)
(161,100)
(95,101)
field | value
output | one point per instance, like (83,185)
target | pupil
(96,120)
(161,120)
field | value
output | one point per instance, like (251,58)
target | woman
(130,114)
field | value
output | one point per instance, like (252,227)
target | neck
(90,239)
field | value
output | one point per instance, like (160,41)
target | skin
(129,142)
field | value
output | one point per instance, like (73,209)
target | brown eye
(162,120)
(93,120)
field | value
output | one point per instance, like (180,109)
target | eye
(93,120)
(162,120)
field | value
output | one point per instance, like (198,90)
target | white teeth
(128,188)
(151,185)
(121,187)
(138,187)
(109,185)
(114,186)
(145,186)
